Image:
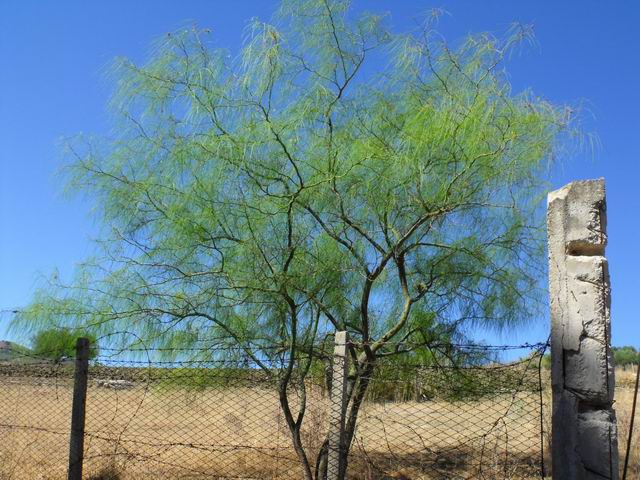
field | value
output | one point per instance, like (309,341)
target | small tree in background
(626,355)
(60,343)
(333,176)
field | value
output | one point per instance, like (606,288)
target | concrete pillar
(584,434)
(337,461)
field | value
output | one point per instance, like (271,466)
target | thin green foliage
(333,175)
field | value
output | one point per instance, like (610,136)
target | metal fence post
(337,452)
(76,442)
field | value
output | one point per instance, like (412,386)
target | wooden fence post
(336,462)
(76,442)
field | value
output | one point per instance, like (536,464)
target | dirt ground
(152,433)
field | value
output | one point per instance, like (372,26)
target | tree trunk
(294,429)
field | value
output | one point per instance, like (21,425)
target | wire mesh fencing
(452,422)
(186,419)
(221,415)
(35,412)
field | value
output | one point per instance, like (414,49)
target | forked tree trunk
(356,391)
(294,429)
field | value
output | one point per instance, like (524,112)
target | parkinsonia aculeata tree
(332,176)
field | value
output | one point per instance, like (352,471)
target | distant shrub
(60,343)
(626,355)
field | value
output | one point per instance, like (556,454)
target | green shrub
(60,343)
(626,355)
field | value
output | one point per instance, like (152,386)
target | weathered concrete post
(336,462)
(584,434)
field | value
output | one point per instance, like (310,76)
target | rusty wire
(210,412)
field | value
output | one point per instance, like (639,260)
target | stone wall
(584,435)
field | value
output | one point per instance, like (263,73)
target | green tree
(334,175)
(626,355)
(59,343)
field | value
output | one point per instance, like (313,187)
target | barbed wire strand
(475,382)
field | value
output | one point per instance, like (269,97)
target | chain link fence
(183,414)
(444,422)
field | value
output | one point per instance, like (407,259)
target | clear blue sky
(53,54)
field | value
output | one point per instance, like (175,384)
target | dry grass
(240,433)
(151,433)
(625,380)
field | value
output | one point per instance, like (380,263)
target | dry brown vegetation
(625,382)
(151,433)
(239,432)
